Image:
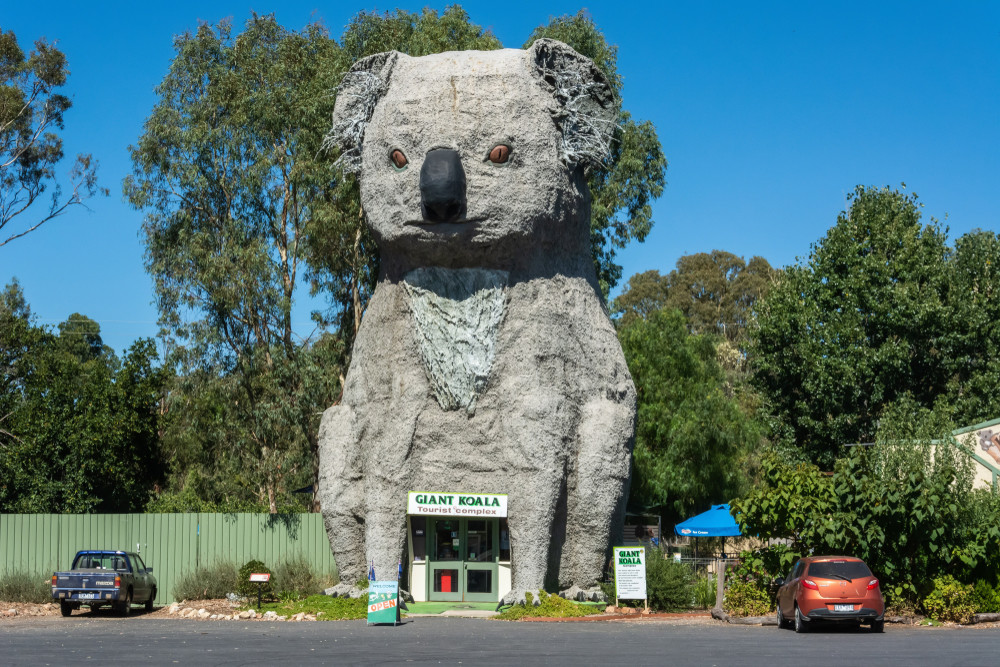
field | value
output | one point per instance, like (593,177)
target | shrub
(985,598)
(248,588)
(669,584)
(950,601)
(748,589)
(209,582)
(324,607)
(549,606)
(295,579)
(25,587)
(705,589)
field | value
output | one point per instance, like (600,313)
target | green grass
(440,607)
(324,607)
(551,606)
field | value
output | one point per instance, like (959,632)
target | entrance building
(459,547)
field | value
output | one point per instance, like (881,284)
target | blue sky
(769,114)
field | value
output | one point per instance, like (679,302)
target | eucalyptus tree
(692,437)
(31,114)
(230,172)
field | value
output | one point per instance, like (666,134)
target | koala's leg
(341,493)
(538,471)
(385,528)
(596,505)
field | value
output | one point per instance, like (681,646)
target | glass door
(462,560)
(481,557)
(444,566)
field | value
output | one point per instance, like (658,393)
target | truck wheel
(126,607)
(65,607)
(149,602)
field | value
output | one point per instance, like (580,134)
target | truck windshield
(100,562)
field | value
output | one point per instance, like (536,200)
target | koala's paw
(574,592)
(343,590)
(521,597)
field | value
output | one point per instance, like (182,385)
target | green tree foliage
(31,113)
(861,324)
(691,437)
(230,173)
(905,505)
(783,502)
(717,292)
(971,344)
(623,191)
(79,425)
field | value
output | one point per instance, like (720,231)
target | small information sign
(263,578)
(383,602)
(630,573)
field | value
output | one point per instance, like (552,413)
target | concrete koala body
(485,362)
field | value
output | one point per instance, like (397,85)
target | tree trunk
(271,498)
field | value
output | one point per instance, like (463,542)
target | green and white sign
(427,503)
(383,601)
(630,573)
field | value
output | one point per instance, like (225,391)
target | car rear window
(838,569)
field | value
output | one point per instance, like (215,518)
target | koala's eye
(500,154)
(398,159)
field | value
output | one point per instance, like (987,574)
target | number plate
(843,607)
(87,596)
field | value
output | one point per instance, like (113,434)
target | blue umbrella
(716,522)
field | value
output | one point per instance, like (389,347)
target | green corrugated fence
(171,544)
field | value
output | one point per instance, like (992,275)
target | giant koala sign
(485,361)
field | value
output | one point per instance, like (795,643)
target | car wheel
(149,602)
(800,623)
(65,607)
(878,626)
(782,623)
(126,607)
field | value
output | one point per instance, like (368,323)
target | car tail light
(53,581)
(811,585)
(118,581)
(873,584)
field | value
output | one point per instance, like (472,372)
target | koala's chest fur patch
(457,313)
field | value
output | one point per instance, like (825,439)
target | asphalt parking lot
(433,641)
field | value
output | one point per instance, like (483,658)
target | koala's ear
(358,93)
(586,110)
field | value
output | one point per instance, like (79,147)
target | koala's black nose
(442,186)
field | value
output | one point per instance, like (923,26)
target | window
(839,569)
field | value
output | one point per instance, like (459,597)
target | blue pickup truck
(117,579)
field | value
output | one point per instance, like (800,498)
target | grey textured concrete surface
(485,361)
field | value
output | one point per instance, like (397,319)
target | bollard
(720,583)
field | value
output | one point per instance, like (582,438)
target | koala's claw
(521,597)
(593,594)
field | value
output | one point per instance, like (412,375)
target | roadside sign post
(630,574)
(383,602)
(261,579)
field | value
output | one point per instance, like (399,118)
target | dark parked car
(117,579)
(830,589)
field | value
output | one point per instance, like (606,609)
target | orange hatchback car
(838,589)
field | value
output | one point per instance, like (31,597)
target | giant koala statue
(485,361)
